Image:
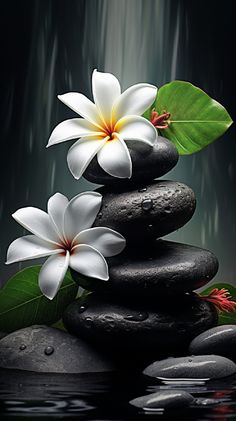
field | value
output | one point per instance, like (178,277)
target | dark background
(50,47)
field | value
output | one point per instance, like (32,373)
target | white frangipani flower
(106,125)
(65,234)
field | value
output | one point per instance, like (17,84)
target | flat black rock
(220,340)
(45,349)
(147,163)
(146,213)
(163,268)
(192,367)
(165,399)
(166,325)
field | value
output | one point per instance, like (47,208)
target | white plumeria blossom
(65,234)
(107,125)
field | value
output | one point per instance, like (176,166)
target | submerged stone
(162,268)
(141,215)
(220,340)
(192,367)
(164,399)
(147,163)
(45,349)
(154,326)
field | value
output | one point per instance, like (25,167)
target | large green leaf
(23,304)
(196,120)
(224,317)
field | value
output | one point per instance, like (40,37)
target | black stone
(163,268)
(220,340)
(141,215)
(192,367)
(45,349)
(164,399)
(154,327)
(147,164)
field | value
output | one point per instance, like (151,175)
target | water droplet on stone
(143,189)
(150,226)
(22,347)
(147,204)
(49,350)
(82,308)
(88,321)
(138,317)
(99,214)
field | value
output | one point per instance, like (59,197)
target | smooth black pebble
(147,163)
(220,340)
(162,268)
(164,325)
(141,216)
(165,399)
(192,367)
(49,350)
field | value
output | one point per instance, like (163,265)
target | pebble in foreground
(166,399)
(48,350)
(220,340)
(192,367)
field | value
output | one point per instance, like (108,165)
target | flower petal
(136,128)
(52,274)
(29,247)
(72,129)
(82,106)
(38,222)
(105,240)
(115,159)
(135,100)
(56,209)
(80,213)
(82,152)
(89,262)
(106,89)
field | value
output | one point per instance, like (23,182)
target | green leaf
(224,317)
(22,303)
(196,119)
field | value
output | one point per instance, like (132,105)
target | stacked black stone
(148,306)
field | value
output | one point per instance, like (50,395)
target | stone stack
(147,308)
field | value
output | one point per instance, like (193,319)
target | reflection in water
(106,396)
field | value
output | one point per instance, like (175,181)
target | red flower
(221,298)
(160,121)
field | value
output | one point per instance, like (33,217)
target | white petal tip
(7,263)
(47,146)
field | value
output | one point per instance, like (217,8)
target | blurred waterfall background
(49,47)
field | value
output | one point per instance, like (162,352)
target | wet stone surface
(166,399)
(137,326)
(44,349)
(163,268)
(148,212)
(220,340)
(192,367)
(147,163)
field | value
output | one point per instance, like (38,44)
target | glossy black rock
(166,399)
(163,268)
(44,349)
(220,340)
(147,212)
(147,164)
(192,367)
(167,324)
